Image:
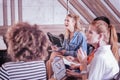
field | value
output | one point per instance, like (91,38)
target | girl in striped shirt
(27,47)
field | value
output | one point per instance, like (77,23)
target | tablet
(58,67)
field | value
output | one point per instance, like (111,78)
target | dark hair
(103,18)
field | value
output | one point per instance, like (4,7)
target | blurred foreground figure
(102,35)
(27,47)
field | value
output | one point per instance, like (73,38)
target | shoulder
(22,63)
(8,64)
(80,34)
(103,56)
(100,54)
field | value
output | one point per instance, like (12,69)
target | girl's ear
(101,36)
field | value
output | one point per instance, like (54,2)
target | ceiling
(90,9)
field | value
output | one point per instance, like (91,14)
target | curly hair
(26,42)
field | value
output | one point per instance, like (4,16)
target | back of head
(111,36)
(103,18)
(26,42)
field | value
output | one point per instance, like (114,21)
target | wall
(41,11)
(37,11)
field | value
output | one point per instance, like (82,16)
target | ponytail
(113,41)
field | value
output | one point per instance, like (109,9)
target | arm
(76,74)
(3,74)
(70,53)
(67,49)
(74,44)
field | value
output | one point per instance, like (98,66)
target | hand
(62,51)
(72,73)
(69,72)
(70,58)
(73,66)
(54,47)
(81,55)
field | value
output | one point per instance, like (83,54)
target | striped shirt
(34,70)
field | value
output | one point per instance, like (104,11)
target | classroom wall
(41,11)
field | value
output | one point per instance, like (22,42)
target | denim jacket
(71,46)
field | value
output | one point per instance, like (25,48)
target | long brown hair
(114,42)
(103,25)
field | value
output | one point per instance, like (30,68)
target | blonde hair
(26,42)
(77,25)
(109,33)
